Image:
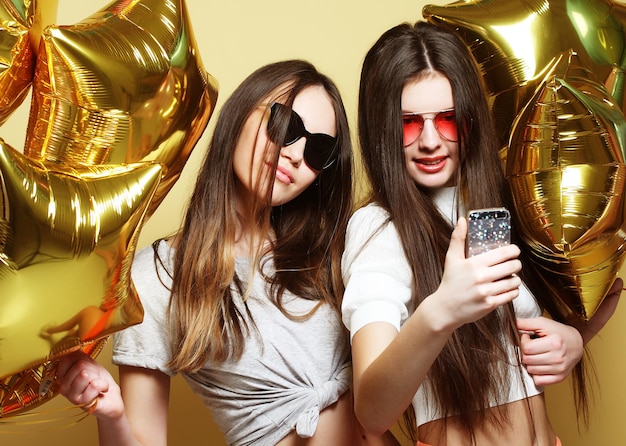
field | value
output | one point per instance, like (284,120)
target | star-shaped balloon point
(68,237)
(21,25)
(119,100)
(515,42)
(124,85)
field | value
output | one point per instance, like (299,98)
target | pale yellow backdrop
(234,38)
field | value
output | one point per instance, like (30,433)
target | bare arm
(389,366)
(146,399)
(139,419)
(388,369)
(604,311)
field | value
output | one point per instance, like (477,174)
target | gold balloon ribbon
(566,171)
(124,85)
(67,240)
(46,420)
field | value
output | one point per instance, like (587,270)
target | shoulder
(367,222)
(147,344)
(374,245)
(152,276)
(371,214)
(376,273)
(144,255)
(371,224)
(155,258)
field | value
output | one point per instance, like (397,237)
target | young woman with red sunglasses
(244,300)
(436,335)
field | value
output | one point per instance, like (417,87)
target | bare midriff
(337,425)
(527,425)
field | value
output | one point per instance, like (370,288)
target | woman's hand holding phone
(472,287)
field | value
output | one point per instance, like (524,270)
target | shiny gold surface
(566,171)
(515,42)
(21,24)
(68,236)
(124,85)
(119,101)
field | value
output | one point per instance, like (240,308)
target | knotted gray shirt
(288,373)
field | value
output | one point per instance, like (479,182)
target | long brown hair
(467,374)
(205,322)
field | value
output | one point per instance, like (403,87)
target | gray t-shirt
(286,376)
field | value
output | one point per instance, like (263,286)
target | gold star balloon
(21,25)
(124,85)
(515,41)
(566,171)
(67,239)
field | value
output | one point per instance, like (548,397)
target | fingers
(489,266)
(473,287)
(535,325)
(500,291)
(81,380)
(546,336)
(553,350)
(456,249)
(545,365)
(502,276)
(542,378)
(501,255)
(540,350)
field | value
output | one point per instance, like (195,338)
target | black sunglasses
(320,148)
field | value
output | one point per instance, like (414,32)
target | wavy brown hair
(468,372)
(205,322)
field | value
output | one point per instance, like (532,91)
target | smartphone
(487,229)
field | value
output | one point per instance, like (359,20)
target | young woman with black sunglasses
(436,335)
(244,301)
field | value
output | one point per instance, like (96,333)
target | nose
(429,138)
(294,153)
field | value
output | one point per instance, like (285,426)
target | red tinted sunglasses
(444,121)
(320,148)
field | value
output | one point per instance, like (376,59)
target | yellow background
(234,38)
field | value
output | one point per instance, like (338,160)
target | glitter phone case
(487,229)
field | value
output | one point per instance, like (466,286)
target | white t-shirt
(378,283)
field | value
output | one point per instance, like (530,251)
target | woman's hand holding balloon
(85,382)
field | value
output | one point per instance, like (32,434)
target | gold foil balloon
(118,102)
(124,85)
(67,239)
(566,171)
(515,41)
(21,24)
